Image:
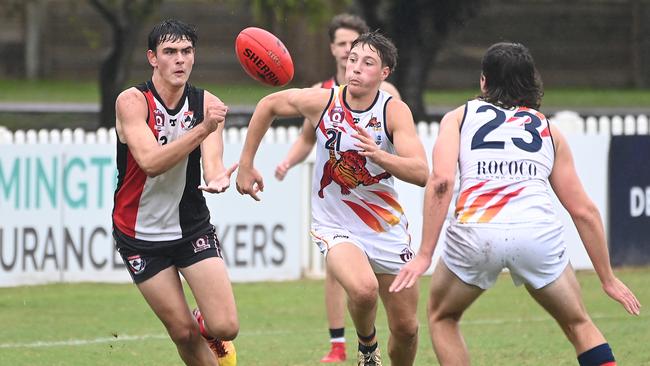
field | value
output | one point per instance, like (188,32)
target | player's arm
(153,158)
(410,162)
(308,102)
(437,196)
(585,215)
(298,151)
(215,175)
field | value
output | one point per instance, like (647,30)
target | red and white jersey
(167,207)
(350,191)
(506,157)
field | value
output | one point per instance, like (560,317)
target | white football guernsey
(506,157)
(349,191)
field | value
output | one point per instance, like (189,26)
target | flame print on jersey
(465,194)
(348,171)
(481,201)
(365,216)
(495,208)
(392,202)
(383,213)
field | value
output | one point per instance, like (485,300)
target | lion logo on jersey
(349,171)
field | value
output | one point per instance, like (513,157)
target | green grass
(246,94)
(283,323)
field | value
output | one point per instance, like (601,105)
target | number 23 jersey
(506,157)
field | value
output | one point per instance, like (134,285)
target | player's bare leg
(563,300)
(216,311)
(164,293)
(335,307)
(212,290)
(449,298)
(401,311)
(350,267)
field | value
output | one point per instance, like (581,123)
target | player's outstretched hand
(249,181)
(409,274)
(617,290)
(220,183)
(281,170)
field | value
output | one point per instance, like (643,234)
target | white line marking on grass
(83,342)
(253,333)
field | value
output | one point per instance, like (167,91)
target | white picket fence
(568,121)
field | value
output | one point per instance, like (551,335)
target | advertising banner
(629,200)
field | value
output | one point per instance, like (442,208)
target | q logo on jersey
(159,119)
(337,115)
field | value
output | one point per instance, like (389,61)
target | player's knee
(225,330)
(184,333)
(405,331)
(364,293)
(437,314)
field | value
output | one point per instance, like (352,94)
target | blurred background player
(343,30)
(167,131)
(508,153)
(365,139)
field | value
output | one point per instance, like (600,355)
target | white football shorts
(384,257)
(534,253)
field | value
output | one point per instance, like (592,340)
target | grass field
(283,323)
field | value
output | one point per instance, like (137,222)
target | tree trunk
(417,43)
(125,19)
(114,72)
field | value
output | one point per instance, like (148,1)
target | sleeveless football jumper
(354,199)
(162,210)
(505,217)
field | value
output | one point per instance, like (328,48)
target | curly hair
(511,79)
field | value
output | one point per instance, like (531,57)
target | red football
(264,57)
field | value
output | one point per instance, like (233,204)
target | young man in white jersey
(364,139)
(167,130)
(508,153)
(343,30)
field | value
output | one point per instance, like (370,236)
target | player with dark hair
(167,131)
(343,30)
(508,153)
(365,139)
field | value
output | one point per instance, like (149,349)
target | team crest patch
(407,255)
(376,125)
(201,244)
(137,264)
(188,120)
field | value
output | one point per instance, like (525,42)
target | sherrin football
(263,56)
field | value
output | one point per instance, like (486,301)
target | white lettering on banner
(639,201)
